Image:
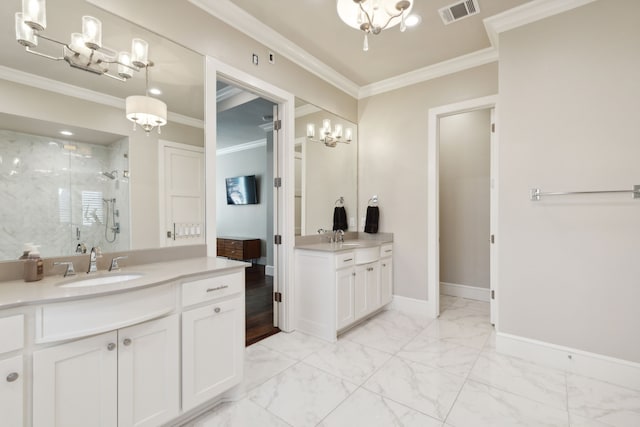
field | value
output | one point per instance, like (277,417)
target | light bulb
(311,130)
(139,53)
(365,46)
(92,32)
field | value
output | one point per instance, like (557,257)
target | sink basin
(350,244)
(101,280)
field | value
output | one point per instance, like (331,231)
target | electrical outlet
(254,59)
(272,58)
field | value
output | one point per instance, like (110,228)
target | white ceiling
(314,26)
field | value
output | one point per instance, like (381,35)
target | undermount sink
(350,244)
(101,280)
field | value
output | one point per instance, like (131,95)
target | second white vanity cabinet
(337,288)
(207,371)
(128,377)
(12,371)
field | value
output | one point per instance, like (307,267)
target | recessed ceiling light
(412,20)
(66,133)
(155,91)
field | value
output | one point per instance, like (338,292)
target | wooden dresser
(239,248)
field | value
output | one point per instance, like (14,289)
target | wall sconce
(327,136)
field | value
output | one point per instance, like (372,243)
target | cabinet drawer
(211,288)
(55,322)
(367,255)
(12,333)
(344,259)
(386,250)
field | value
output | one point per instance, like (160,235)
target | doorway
(245,206)
(434,204)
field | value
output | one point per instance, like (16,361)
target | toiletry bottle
(26,248)
(33,266)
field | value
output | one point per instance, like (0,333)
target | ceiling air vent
(457,11)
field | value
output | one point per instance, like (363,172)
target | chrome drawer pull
(12,377)
(126,341)
(388,250)
(347,260)
(217,309)
(217,288)
(111,346)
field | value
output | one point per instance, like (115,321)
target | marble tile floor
(406,370)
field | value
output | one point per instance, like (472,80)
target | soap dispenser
(33,266)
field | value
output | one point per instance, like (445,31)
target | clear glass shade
(92,32)
(25,35)
(139,53)
(35,14)
(124,70)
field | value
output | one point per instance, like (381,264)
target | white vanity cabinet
(386,274)
(216,323)
(11,371)
(335,289)
(128,377)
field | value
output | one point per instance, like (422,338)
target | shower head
(111,175)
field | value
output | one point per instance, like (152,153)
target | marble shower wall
(52,194)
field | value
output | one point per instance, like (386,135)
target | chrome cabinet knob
(12,377)
(217,309)
(111,346)
(126,341)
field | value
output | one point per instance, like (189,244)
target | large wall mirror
(101,183)
(326,169)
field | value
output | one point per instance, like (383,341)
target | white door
(182,180)
(275,204)
(148,373)
(386,280)
(360,291)
(11,392)
(493,226)
(372,274)
(76,384)
(212,350)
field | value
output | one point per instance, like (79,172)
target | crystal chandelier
(84,50)
(373,16)
(329,137)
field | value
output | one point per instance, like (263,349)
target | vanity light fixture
(327,136)
(373,16)
(146,111)
(84,50)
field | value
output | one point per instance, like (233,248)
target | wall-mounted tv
(242,190)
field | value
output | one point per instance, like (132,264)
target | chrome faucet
(93,257)
(69,270)
(326,233)
(114,263)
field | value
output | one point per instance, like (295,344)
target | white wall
(392,153)
(464,164)
(243,220)
(569,120)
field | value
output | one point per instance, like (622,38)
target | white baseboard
(465,291)
(411,305)
(605,368)
(268,270)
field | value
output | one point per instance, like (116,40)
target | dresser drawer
(211,288)
(12,333)
(386,250)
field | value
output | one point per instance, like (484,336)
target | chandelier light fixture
(146,111)
(327,136)
(373,16)
(84,50)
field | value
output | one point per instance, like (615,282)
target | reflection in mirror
(325,171)
(40,97)
(62,194)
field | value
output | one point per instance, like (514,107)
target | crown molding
(227,92)
(242,21)
(50,85)
(526,14)
(471,60)
(241,147)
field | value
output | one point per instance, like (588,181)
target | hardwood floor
(258,305)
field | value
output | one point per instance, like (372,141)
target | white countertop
(17,293)
(347,245)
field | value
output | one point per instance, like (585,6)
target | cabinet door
(11,392)
(75,384)
(372,279)
(360,292)
(212,350)
(345,280)
(386,280)
(149,373)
